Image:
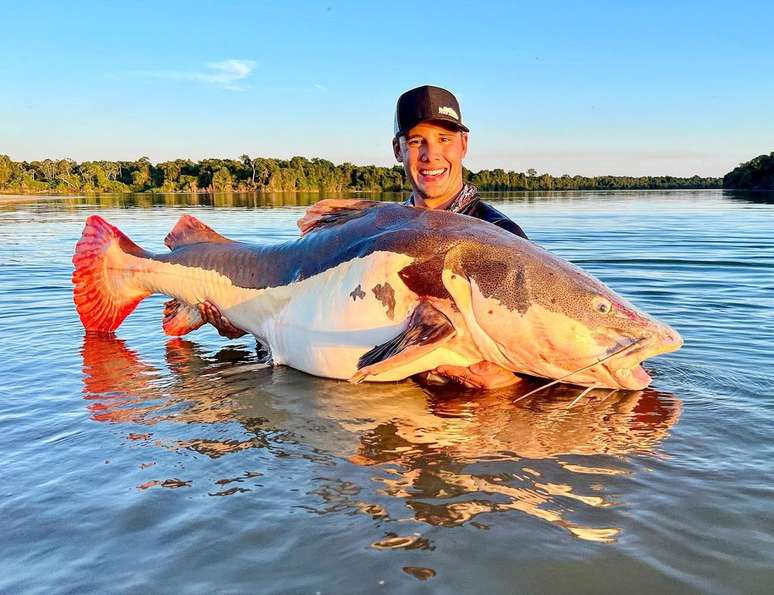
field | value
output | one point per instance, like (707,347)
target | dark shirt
(468,202)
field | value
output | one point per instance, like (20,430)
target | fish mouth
(630,378)
(621,368)
(626,369)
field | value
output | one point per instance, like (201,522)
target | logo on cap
(448,111)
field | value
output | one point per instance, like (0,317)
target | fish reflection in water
(449,454)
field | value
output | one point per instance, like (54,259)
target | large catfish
(377,291)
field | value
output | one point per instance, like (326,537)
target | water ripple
(153,459)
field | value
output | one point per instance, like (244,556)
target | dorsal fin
(333,211)
(189,230)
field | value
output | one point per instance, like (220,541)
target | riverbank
(298,174)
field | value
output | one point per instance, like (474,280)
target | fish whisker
(583,394)
(599,361)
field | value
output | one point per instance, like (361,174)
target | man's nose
(429,151)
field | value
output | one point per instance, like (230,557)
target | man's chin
(434,191)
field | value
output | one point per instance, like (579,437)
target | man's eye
(445,139)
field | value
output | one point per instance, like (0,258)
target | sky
(588,88)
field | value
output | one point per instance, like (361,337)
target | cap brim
(448,120)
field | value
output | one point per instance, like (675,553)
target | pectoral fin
(427,329)
(180,319)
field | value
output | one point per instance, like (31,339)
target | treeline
(183,175)
(299,174)
(756,174)
(498,179)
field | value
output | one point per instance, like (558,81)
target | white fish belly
(335,317)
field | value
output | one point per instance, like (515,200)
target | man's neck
(435,203)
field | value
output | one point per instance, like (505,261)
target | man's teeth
(432,172)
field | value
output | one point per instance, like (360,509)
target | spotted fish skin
(354,278)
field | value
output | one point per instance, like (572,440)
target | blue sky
(628,88)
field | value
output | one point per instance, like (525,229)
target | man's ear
(464,144)
(396,149)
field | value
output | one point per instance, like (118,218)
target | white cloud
(226,74)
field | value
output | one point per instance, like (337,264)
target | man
(430,141)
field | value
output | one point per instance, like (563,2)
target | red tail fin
(104,296)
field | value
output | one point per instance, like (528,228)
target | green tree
(756,174)
(7,168)
(221,180)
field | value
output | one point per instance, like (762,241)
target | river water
(136,463)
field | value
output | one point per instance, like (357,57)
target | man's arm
(511,226)
(489,213)
(484,375)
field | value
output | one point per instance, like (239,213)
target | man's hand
(211,314)
(483,375)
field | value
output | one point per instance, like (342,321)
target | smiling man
(430,141)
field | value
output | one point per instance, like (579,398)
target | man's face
(432,155)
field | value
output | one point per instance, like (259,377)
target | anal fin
(180,319)
(427,329)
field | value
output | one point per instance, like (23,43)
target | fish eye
(602,305)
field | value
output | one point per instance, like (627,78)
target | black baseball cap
(427,103)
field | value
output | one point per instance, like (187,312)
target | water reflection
(764,197)
(218,199)
(259,200)
(450,455)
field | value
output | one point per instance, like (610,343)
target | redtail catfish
(378,291)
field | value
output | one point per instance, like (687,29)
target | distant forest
(247,174)
(756,174)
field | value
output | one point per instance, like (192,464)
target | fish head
(535,313)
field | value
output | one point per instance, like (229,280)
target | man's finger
(204,312)
(482,375)
(170,307)
(460,375)
(212,315)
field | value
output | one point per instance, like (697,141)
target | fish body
(379,292)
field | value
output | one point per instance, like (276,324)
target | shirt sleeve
(488,213)
(509,225)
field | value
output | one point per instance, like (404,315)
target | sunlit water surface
(136,463)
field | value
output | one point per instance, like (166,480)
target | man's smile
(431,174)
